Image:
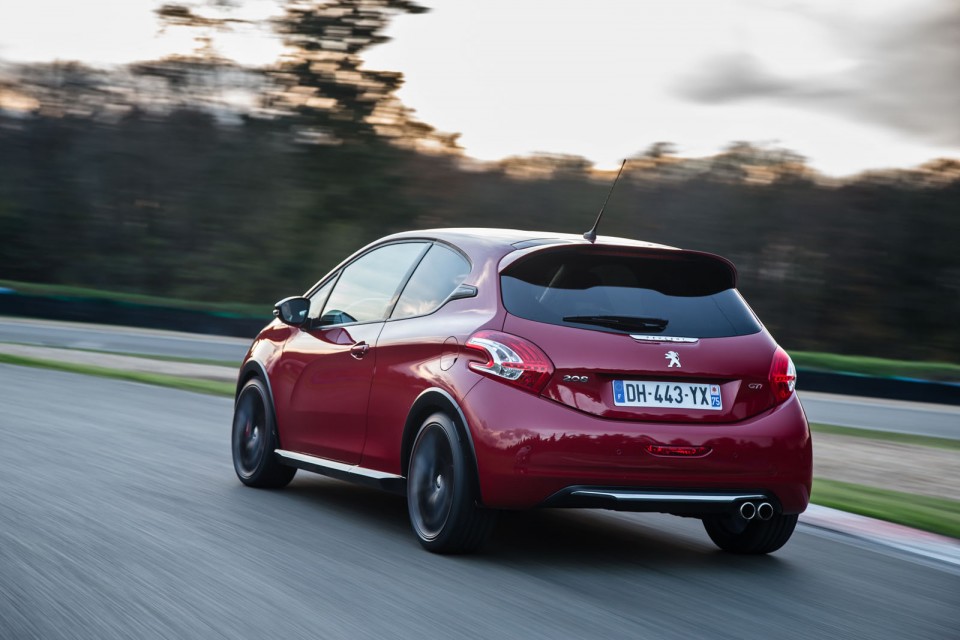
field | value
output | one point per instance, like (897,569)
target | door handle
(359,350)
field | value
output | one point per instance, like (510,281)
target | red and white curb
(935,547)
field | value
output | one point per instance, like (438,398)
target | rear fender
(428,402)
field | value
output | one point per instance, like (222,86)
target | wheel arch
(428,402)
(255,369)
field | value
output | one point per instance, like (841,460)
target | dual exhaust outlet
(750,510)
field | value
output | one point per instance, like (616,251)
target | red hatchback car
(476,370)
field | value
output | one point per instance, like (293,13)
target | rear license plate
(675,395)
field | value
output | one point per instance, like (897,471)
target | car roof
(508,240)
(505,246)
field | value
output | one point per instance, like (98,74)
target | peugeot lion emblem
(674,359)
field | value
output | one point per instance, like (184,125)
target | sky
(853,85)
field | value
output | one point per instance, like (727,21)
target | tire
(441,491)
(254,439)
(756,536)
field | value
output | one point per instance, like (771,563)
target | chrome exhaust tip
(748,510)
(765,511)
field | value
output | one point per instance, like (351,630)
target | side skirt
(340,471)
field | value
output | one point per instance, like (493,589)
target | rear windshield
(672,294)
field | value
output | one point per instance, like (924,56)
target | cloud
(905,74)
(731,77)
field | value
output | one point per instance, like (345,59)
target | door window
(368,286)
(319,298)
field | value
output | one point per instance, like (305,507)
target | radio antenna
(591,235)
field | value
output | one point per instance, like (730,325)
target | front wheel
(441,497)
(756,536)
(254,440)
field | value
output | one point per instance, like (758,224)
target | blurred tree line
(192,177)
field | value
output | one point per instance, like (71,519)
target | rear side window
(668,293)
(439,273)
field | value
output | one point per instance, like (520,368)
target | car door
(326,368)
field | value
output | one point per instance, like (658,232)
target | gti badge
(674,359)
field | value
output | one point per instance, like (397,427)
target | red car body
(348,399)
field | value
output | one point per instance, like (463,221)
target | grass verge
(209,387)
(887,436)
(882,367)
(937,515)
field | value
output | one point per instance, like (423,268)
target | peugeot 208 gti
(477,370)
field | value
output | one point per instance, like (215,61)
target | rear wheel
(736,535)
(441,494)
(255,439)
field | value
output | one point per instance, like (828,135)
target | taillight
(783,375)
(511,359)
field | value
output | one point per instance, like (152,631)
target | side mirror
(292,311)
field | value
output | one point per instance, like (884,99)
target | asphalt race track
(937,420)
(121,517)
(75,335)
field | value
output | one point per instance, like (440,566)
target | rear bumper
(681,502)
(535,452)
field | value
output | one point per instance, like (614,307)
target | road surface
(98,337)
(938,420)
(120,517)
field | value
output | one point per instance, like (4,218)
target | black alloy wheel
(254,440)
(736,535)
(441,494)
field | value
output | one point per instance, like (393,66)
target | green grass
(937,515)
(68,291)
(209,387)
(882,367)
(234,364)
(887,436)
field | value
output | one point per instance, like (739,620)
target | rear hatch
(641,333)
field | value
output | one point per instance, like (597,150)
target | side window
(318,299)
(440,272)
(368,286)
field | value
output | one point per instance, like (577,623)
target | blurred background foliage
(192,177)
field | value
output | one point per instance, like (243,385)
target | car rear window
(666,293)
